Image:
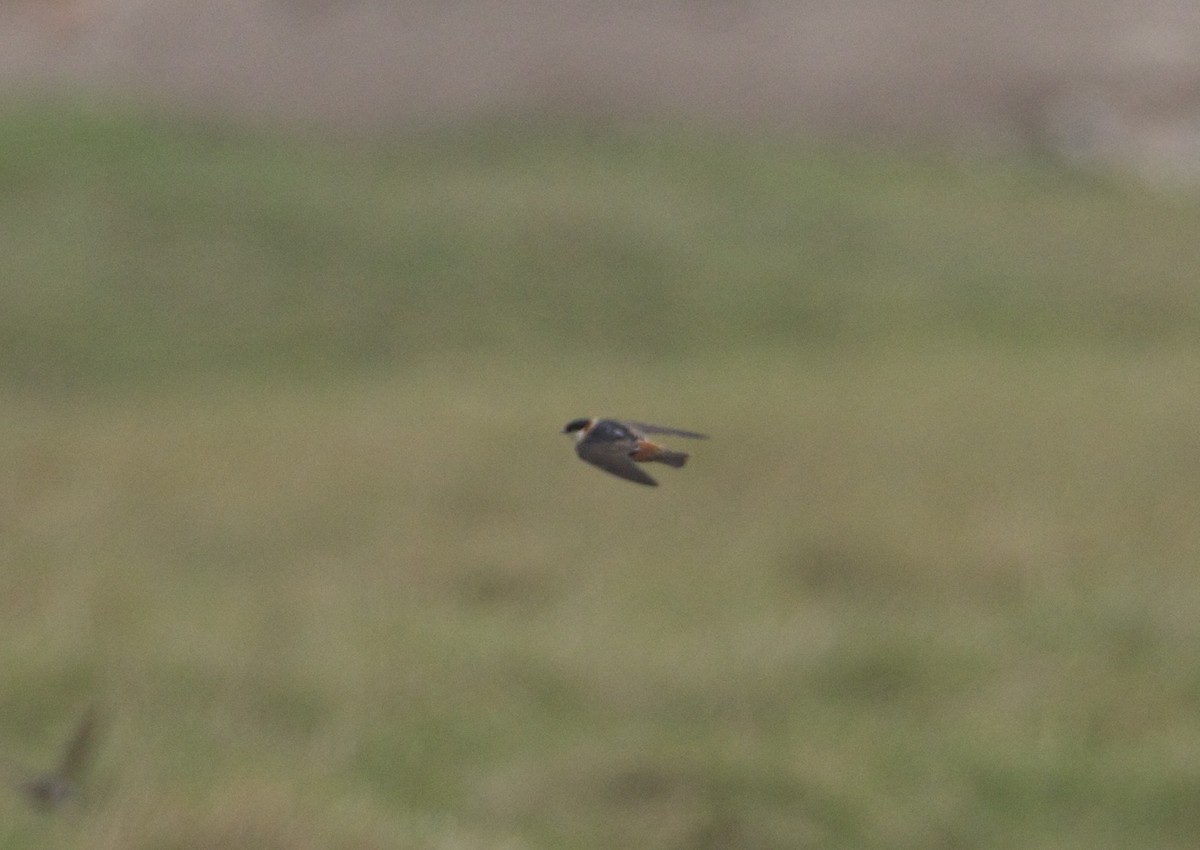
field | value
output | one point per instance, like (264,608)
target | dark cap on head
(575,425)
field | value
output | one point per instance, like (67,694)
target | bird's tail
(670,458)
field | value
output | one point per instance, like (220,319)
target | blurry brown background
(1108,82)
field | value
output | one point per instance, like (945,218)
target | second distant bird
(618,447)
(48,791)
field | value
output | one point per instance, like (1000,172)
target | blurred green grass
(283,490)
(139,246)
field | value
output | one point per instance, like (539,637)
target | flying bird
(49,791)
(618,447)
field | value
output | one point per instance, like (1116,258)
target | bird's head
(576,426)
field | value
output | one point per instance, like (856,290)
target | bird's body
(618,447)
(49,791)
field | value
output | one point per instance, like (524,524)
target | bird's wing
(645,428)
(614,457)
(79,748)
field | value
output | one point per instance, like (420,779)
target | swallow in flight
(618,447)
(49,791)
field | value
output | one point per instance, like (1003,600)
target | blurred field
(283,491)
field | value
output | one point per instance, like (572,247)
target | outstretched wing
(614,457)
(645,428)
(79,748)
